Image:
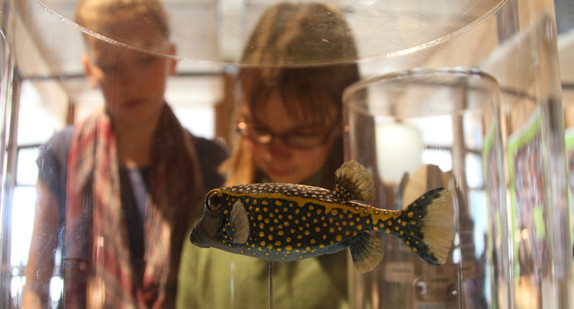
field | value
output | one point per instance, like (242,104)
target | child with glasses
(290,131)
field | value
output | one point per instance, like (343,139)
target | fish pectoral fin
(367,252)
(239,223)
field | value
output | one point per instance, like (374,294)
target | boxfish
(289,222)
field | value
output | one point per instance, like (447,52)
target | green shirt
(211,278)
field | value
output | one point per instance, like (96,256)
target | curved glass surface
(216,31)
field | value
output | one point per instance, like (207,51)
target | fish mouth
(197,239)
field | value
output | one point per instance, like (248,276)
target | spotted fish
(287,222)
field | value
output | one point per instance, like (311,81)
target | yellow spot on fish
(338,238)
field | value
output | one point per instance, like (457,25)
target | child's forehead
(295,109)
(142,33)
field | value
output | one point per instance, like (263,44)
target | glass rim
(421,76)
(418,72)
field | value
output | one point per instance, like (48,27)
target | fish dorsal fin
(354,182)
(367,252)
(239,223)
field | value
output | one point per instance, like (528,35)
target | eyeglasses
(295,139)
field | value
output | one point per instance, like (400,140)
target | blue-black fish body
(287,222)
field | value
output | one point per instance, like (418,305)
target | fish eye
(213,201)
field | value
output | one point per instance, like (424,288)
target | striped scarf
(98,268)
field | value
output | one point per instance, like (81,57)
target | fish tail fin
(427,226)
(367,252)
(354,182)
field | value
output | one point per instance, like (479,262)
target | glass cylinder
(421,129)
